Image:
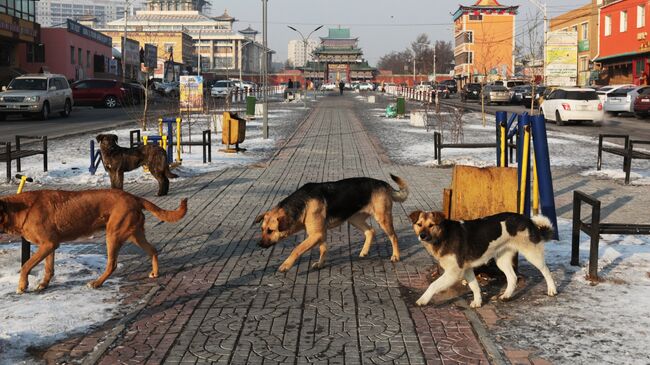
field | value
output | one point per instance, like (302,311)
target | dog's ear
(283,223)
(114,138)
(415,215)
(259,218)
(99,137)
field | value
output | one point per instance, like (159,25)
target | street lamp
(265,71)
(305,41)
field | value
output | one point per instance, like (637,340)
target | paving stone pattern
(220,298)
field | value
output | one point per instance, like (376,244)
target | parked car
(366,86)
(572,104)
(496,94)
(517,94)
(424,86)
(36,95)
(442,91)
(642,104)
(509,84)
(605,90)
(535,99)
(451,85)
(100,92)
(222,88)
(471,91)
(330,86)
(622,99)
(168,88)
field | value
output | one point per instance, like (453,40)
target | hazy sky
(381,25)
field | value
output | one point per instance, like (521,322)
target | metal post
(198,53)
(434,63)
(265,71)
(126,14)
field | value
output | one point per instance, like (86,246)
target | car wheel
(67,109)
(45,111)
(110,102)
(558,118)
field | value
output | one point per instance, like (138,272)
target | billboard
(150,56)
(191,93)
(562,58)
(131,52)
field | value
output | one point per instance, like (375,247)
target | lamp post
(542,7)
(198,53)
(265,71)
(126,15)
(305,41)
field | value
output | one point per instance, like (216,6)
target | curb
(482,334)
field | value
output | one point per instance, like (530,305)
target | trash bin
(250,106)
(401,107)
(233,132)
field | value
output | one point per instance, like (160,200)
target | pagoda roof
(249,30)
(332,50)
(225,17)
(338,33)
(486,5)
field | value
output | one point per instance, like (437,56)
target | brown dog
(48,217)
(315,207)
(118,160)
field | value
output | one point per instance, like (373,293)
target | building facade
(53,13)
(624,53)
(339,58)
(222,50)
(176,46)
(484,35)
(299,49)
(17,27)
(75,51)
(583,21)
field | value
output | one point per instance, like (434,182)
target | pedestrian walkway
(220,298)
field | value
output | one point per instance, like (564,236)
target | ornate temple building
(339,58)
(222,50)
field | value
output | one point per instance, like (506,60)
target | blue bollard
(523,121)
(501,117)
(543,165)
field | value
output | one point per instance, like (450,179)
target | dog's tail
(544,226)
(403,192)
(166,215)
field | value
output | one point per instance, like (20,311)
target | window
(584,64)
(72,55)
(169,47)
(623,25)
(79,59)
(87,58)
(608,25)
(476,17)
(574,28)
(584,30)
(640,16)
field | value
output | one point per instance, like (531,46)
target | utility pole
(265,71)
(126,14)
(434,62)
(198,53)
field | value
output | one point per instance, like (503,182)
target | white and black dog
(460,246)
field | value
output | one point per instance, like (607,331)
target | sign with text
(191,93)
(562,58)
(150,56)
(86,32)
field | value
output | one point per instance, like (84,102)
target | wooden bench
(626,151)
(8,153)
(593,229)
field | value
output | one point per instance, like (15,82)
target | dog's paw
(422,301)
(317,265)
(41,287)
(284,267)
(394,258)
(476,303)
(504,297)
(552,292)
(20,291)
(93,284)
(363,254)
(153,275)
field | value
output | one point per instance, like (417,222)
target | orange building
(484,41)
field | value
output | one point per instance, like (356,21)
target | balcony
(464,38)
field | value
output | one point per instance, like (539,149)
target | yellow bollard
(524,170)
(178,140)
(163,140)
(160,126)
(535,187)
(502,158)
(144,141)
(23,179)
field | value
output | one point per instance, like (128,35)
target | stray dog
(315,207)
(48,217)
(460,246)
(117,160)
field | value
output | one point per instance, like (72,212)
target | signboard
(191,93)
(131,52)
(150,56)
(562,58)
(86,32)
(583,45)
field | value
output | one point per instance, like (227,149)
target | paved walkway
(220,298)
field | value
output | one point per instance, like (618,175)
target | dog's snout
(423,235)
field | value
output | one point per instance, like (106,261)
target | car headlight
(2,98)
(31,99)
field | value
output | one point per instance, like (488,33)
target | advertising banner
(191,93)
(150,56)
(562,58)
(131,52)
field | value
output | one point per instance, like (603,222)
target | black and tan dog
(315,207)
(460,246)
(118,160)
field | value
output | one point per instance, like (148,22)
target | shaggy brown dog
(48,217)
(315,207)
(118,160)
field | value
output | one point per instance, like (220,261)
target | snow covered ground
(608,323)
(69,158)
(68,306)
(414,145)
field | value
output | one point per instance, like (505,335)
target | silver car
(222,88)
(36,95)
(496,94)
(622,99)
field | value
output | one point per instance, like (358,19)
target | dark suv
(107,93)
(471,91)
(451,85)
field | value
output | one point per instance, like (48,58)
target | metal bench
(593,229)
(626,151)
(438,146)
(7,154)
